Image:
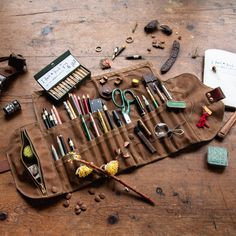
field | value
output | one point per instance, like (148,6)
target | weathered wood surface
(195,199)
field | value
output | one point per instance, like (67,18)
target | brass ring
(98,49)
(129,40)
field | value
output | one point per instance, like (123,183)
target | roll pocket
(113,145)
(31,162)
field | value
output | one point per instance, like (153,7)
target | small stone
(97,198)
(91,191)
(83,207)
(105,78)
(126,155)
(79,203)
(131,136)
(126,144)
(180,37)
(105,64)
(102,196)
(77,207)
(149,49)
(3,216)
(151,26)
(153,36)
(154,42)
(166,29)
(68,196)
(77,212)
(102,81)
(66,203)
(54,189)
(118,82)
(118,151)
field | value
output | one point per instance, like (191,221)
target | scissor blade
(126,118)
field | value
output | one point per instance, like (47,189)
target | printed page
(225,74)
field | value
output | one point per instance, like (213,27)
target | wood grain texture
(196,200)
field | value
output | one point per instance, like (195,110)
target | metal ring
(98,49)
(129,40)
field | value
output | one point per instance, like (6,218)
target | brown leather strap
(4,166)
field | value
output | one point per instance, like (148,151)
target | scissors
(162,130)
(125,102)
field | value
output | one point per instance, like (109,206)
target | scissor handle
(116,92)
(128,101)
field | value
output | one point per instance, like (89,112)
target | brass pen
(155,104)
(105,129)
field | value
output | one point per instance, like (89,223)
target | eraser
(217,156)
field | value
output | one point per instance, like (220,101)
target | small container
(61,76)
(12,107)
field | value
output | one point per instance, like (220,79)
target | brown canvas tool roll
(53,178)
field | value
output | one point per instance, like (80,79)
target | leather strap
(215,95)
(4,166)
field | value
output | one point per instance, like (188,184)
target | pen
(115,52)
(68,110)
(52,120)
(45,120)
(159,92)
(120,50)
(117,119)
(108,116)
(86,130)
(57,114)
(88,103)
(54,117)
(86,109)
(47,117)
(139,105)
(133,57)
(144,128)
(63,144)
(74,104)
(94,125)
(144,140)
(77,104)
(102,122)
(168,95)
(71,109)
(147,104)
(71,144)
(60,147)
(81,106)
(155,104)
(54,153)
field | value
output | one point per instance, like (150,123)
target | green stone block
(217,156)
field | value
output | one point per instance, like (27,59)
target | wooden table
(195,199)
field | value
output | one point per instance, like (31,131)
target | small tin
(62,75)
(12,107)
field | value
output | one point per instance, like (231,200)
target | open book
(223,74)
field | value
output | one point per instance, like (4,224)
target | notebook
(224,75)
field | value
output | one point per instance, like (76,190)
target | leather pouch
(58,177)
